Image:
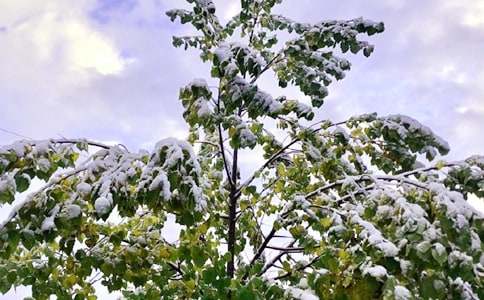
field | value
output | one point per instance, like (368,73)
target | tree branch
(298,269)
(286,249)
(275,259)
(75,141)
(221,143)
(30,197)
(255,22)
(275,156)
(233,213)
(269,64)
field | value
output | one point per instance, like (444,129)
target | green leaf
(245,293)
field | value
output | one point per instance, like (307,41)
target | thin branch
(255,22)
(273,261)
(222,148)
(207,143)
(301,268)
(368,177)
(269,64)
(267,163)
(15,133)
(275,156)
(426,169)
(286,249)
(175,268)
(30,197)
(261,249)
(75,141)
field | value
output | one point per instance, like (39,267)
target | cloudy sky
(106,70)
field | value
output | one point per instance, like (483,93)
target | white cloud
(66,40)
(472,11)
(90,50)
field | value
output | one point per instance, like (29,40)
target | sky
(106,69)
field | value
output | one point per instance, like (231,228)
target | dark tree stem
(232,219)
(233,213)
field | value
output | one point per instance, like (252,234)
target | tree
(339,210)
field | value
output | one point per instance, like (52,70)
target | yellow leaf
(343,254)
(440,164)
(190,285)
(70,280)
(164,253)
(326,222)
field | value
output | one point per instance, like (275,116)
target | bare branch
(75,141)
(286,249)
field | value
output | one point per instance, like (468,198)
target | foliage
(337,211)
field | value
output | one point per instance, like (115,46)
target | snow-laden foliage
(359,209)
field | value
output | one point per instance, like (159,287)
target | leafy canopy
(339,210)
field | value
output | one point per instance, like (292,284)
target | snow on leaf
(375,271)
(103,205)
(402,293)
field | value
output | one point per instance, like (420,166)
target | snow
(375,237)
(103,205)
(475,241)
(340,130)
(303,283)
(200,201)
(174,153)
(198,82)
(404,124)
(410,210)
(301,294)
(203,109)
(71,211)
(263,101)
(231,69)
(456,206)
(458,258)
(405,265)
(402,293)
(38,263)
(303,109)
(465,289)
(376,271)
(432,233)
(48,223)
(384,211)
(19,148)
(439,249)
(267,102)
(247,138)
(7,183)
(83,188)
(301,202)
(313,152)
(223,52)
(476,160)
(42,147)
(43,164)
(161,181)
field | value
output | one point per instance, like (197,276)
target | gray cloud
(427,64)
